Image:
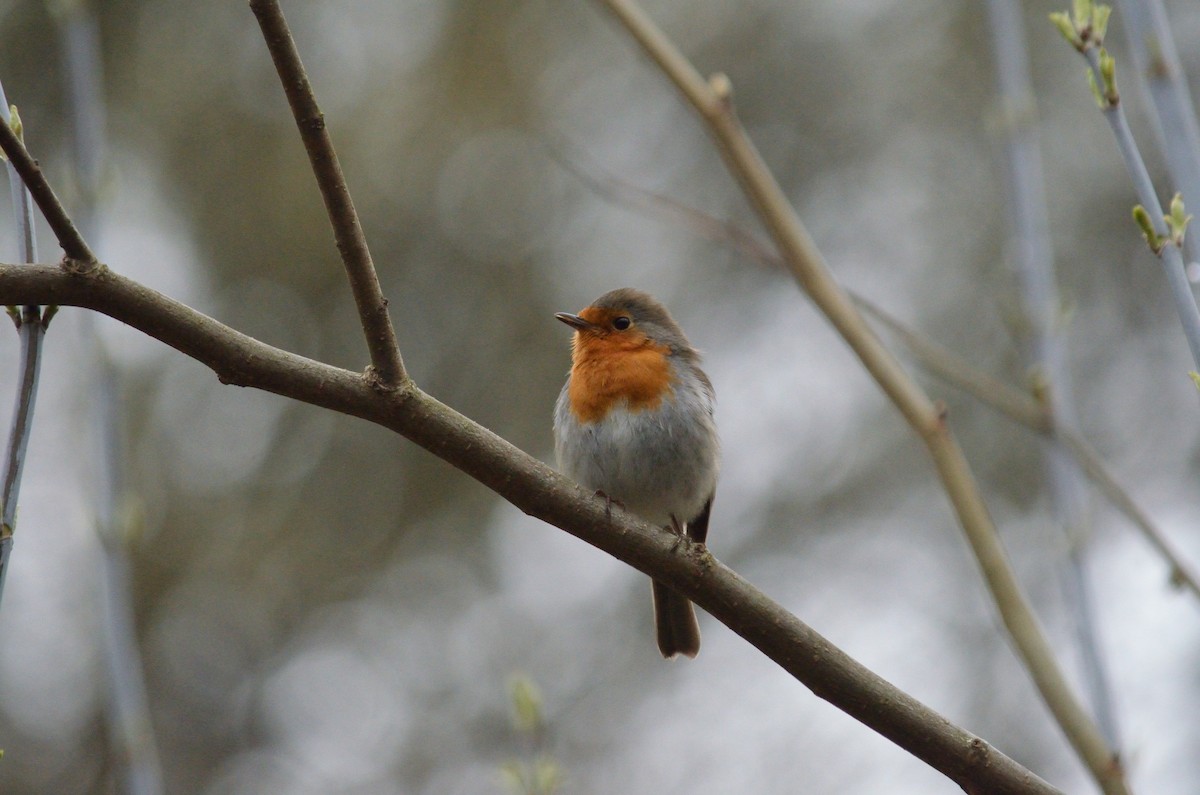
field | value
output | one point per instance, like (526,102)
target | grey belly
(650,462)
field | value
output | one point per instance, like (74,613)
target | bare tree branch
(347,231)
(541,492)
(712,99)
(31,331)
(43,195)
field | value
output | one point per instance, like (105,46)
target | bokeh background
(323,607)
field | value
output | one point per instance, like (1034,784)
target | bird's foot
(677,529)
(609,502)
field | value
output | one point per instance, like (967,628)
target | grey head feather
(651,316)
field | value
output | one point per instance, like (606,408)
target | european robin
(635,422)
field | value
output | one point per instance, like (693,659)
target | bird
(634,422)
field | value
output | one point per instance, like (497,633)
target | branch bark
(543,493)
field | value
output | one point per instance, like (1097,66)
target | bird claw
(609,502)
(677,530)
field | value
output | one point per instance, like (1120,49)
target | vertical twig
(712,99)
(130,729)
(347,231)
(1034,260)
(31,331)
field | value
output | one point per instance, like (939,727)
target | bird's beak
(576,322)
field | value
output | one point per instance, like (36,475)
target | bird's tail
(675,623)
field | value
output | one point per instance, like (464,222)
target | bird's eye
(622,323)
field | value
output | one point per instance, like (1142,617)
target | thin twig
(629,195)
(1032,257)
(1084,29)
(1171,255)
(539,491)
(1025,410)
(131,738)
(957,371)
(347,231)
(712,99)
(56,217)
(31,330)
(1148,38)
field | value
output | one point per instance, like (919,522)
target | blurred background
(323,607)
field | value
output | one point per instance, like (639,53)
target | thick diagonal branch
(539,491)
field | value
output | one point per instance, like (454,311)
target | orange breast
(605,371)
